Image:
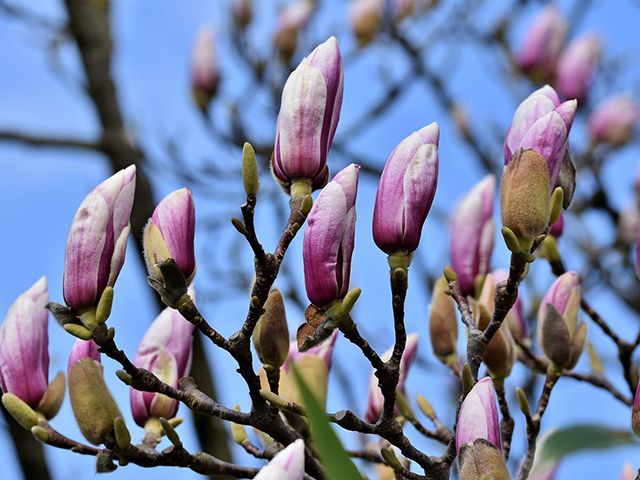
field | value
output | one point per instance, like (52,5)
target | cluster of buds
(204,68)
(292,19)
(613,121)
(472,235)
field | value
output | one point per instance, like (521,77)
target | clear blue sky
(41,189)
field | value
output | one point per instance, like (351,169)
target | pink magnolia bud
(308,118)
(375,400)
(576,67)
(472,234)
(83,349)
(541,123)
(329,238)
(288,464)
(323,351)
(170,233)
(204,69)
(292,19)
(543,43)
(98,239)
(165,350)
(614,121)
(366,19)
(558,227)
(478,417)
(406,190)
(24,341)
(628,472)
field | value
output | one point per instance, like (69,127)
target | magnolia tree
(287,383)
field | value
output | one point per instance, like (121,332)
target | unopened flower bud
(271,335)
(204,68)
(170,233)
(481,460)
(286,465)
(576,67)
(165,350)
(97,240)
(406,190)
(543,43)
(375,399)
(443,323)
(515,317)
(84,349)
(478,417)
(628,472)
(366,19)
(242,11)
(561,337)
(614,120)
(472,234)
(558,227)
(329,239)
(292,19)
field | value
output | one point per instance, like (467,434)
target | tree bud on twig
(271,335)
(443,323)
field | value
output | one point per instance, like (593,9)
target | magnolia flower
(576,67)
(478,416)
(288,464)
(543,43)
(204,67)
(614,120)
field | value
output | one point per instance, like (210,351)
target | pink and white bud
(628,472)
(165,350)
(170,234)
(288,464)
(308,117)
(366,19)
(205,75)
(576,67)
(406,190)
(375,400)
(292,19)
(97,240)
(329,239)
(558,227)
(562,295)
(323,351)
(472,234)
(614,121)
(541,123)
(478,417)
(543,43)
(83,349)
(24,342)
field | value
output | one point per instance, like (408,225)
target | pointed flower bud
(480,460)
(561,337)
(375,400)
(366,19)
(543,43)
(271,335)
(84,349)
(204,68)
(478,417)
(443,323)
(329,239)
(614,120)
(472,234)
(515,318)
(97,240)
(576,67)
(406,190)
(170,233)
(291,21)
(308,117)
(288,464)
(628,473)
(24,342)
(165,350)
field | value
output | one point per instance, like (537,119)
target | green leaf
(333,456)
(560,443)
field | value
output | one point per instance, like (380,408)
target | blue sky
(41,189)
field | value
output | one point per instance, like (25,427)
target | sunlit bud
(308,117)
(242,11)
(561,337)
(366,19)
(165,350)
(614,121)
(443,323)
(515,318)
(329,239)
(500,354)
(375,400)
(472,234)
(405,192)
(576,67)
(543,43)
(271,335)
(478,417)
(97,240)
(558,227)
(170,233)
(286,465)
(292,19)
(204,68)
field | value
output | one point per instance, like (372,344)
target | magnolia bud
(443,323)
(561,337)
(204,68)
(472,234)
(515,317)
(405,192)
(481,460)
(628,472)
(329,239)
(478,417)
(288,464)
(576,67)
(613,121)
(292,19)
(170,233)
(271,335)
(366,19)
(97,240)
(242,11)
(558,227)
